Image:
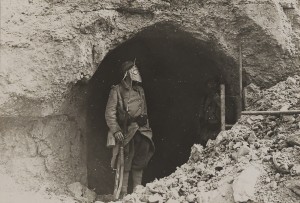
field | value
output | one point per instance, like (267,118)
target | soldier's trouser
(137,176)
(136,152)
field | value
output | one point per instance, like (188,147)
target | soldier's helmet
(126,66)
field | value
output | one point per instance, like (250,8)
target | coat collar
(124,84)
(127,86)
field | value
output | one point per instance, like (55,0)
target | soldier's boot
(137,176)
(125,184)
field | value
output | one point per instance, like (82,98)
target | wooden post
(240,96)
(222,93)
(245,103)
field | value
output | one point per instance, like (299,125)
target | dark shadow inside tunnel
(176,69)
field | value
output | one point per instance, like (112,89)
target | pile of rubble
(283,96)
(258,160)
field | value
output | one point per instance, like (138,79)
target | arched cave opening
(176,69)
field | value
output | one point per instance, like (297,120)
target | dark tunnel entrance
(176,69)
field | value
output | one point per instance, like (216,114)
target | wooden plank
(222,93)
(240,99)
(288,112)
(228,126)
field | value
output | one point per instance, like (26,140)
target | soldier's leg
(141,151)
(140,161)
(137,175)
(128,156)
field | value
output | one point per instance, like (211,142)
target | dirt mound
(258,160)
(283,96)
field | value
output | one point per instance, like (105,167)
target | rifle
(119,173)
(120,164)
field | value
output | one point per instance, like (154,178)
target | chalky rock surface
(47,46)
(244,185)
(268,172)
(82,193)
(51,48)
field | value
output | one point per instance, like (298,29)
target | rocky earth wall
(47,46)
(50,48)
(42,153)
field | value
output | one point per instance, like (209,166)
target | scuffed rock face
(294,185)
(45,50)
(42,153)
(47,46)
(82,193)
(222,195)
(244,185)
(14,192)
(284,96)
(294,140)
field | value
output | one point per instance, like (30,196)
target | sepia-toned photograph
(150,101)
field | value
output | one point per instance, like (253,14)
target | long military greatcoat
(122,98)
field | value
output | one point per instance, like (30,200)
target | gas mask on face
(135,74)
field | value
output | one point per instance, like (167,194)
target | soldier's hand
(119,136)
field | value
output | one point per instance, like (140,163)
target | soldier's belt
(141,120)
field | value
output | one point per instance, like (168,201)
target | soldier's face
(135,74)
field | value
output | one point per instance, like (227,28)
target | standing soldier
(209,121)
(129,132)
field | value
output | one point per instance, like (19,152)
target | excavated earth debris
(258,160)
